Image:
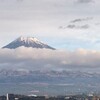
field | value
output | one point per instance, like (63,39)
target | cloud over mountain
(44,59)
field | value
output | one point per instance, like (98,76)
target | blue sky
(63,24)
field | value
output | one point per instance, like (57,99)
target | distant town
(35,97)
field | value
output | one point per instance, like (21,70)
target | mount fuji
(27,42)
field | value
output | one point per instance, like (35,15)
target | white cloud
(44,59)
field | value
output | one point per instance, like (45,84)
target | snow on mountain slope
(27,42)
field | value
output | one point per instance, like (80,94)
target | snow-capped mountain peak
(27,39)
(27,42)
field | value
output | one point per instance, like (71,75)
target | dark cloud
(85,1)
(81,19)
(73,26)
(84,26)
(80,23)
(43,59)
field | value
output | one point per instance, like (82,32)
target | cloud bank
(43,59)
